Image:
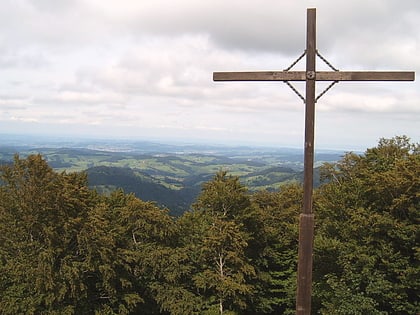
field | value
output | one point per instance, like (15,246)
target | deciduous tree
(367,244)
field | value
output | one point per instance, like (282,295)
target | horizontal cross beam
(319,76)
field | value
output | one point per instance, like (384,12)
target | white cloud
(141,66)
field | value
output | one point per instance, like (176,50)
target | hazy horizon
(19,139)
(144,70)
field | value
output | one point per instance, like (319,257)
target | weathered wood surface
(306,224)
(319,76)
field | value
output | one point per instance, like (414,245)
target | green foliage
(64,249)
(171,179)
(215,240)
(276,237)
(106,179)
(254,238)
(367,244)
(41,213)
(224,196)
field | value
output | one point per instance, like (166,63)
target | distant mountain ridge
(105,179)
(170,175)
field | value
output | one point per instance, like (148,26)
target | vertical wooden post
(306,220)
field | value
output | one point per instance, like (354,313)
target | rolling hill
(170,175)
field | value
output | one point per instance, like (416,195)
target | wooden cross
(306,220)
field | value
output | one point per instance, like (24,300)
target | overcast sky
(143,69)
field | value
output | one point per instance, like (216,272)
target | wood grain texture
(320,76)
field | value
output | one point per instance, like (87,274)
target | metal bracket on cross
(294,89)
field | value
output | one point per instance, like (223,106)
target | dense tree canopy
(367,244)
(65,249)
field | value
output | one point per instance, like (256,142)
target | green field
(170,175)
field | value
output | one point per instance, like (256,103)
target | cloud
(145,65)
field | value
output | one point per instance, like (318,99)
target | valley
(169,174)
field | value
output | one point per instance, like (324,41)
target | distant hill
(169,174)
(105,179)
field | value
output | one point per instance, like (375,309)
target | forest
(67,249)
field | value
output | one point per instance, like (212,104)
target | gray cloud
(147,65)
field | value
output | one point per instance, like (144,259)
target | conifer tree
(276,240)
(41,214)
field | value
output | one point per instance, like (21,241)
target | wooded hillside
(65,249)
